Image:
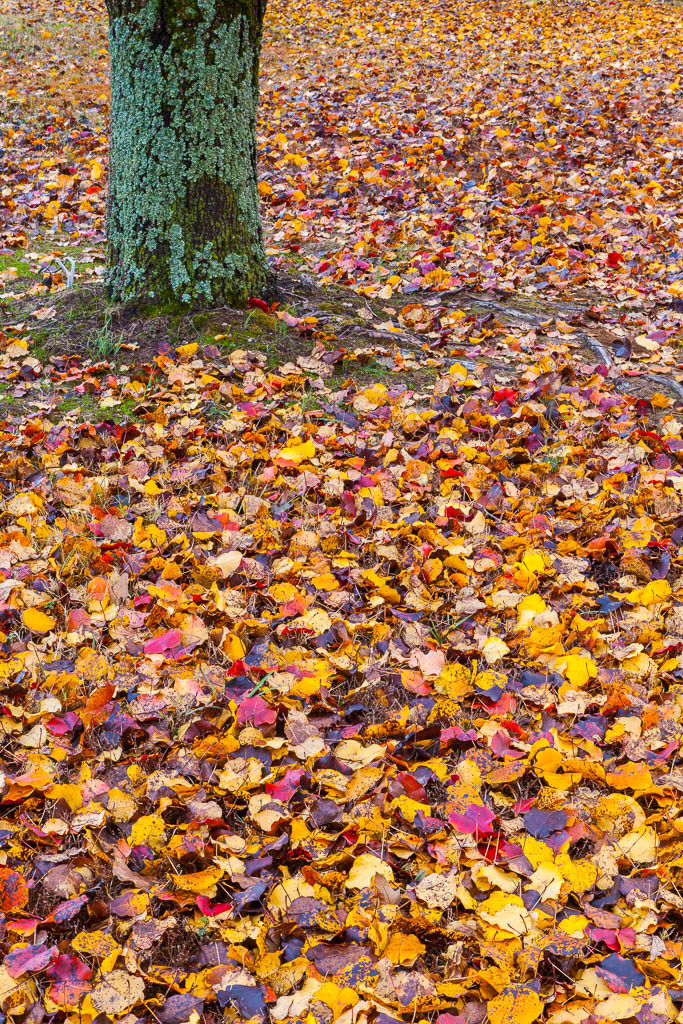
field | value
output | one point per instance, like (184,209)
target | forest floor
(341,641)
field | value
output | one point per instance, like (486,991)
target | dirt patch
(330,332)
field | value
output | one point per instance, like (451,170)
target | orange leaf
(13,891)
(37,621)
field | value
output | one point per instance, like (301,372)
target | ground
(341,641)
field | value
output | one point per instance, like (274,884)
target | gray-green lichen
(183,220)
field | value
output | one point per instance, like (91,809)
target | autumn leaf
(27,960)
(70,979)
(516,1004)
(404,949)
(494,650)
(117,992)
(14,892)
(579,669)
(364,869)
(200,881)
(37,621)
(297,453)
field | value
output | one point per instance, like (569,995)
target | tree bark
(183,221)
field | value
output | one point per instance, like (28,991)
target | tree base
(145,305)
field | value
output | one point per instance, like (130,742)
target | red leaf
(476,820)
(30,958)
(165,642)
(285,788)
(504,395)
(71,980)
(66,910)
(204,905)
(254,711)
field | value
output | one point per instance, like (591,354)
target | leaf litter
(327,697)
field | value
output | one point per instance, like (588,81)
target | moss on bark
(183,217)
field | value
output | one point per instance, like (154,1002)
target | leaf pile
(330,697)
(531,146)
(360,705)
(536,147)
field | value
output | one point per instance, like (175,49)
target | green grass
(104,344)
(22,267)
(89,409)
(86,407)
(9,406)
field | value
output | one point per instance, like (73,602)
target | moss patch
(84,326)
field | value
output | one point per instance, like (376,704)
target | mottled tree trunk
(183,220)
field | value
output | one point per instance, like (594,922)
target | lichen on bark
(183,220)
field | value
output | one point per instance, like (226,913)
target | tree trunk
(183,220)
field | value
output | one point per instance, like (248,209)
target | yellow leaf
(315,619)
(70,792)
(437,890)
(621,1005)
(297,452)
(187,351)
(117,992)
(149,831)
(507,913)
(388,593)
(639,846)
(364,869)
(533,561)
(458,370)
(99,944)
(547,881)
(410,808)
(432,569)
(528,608)
(629,776)
(548,759)
(200,881)
(516,1004)
(16,995)
(653,593)
(363,780)
(454,681)
(639,665)
(536,852)
(404,949)
(578,669)
(494,650)
(37,621)
(338,999)
(574,925)
(579,875)
(228,563)
(325,581)
(233,647)
(358,755)
(289,890)
(616,814)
